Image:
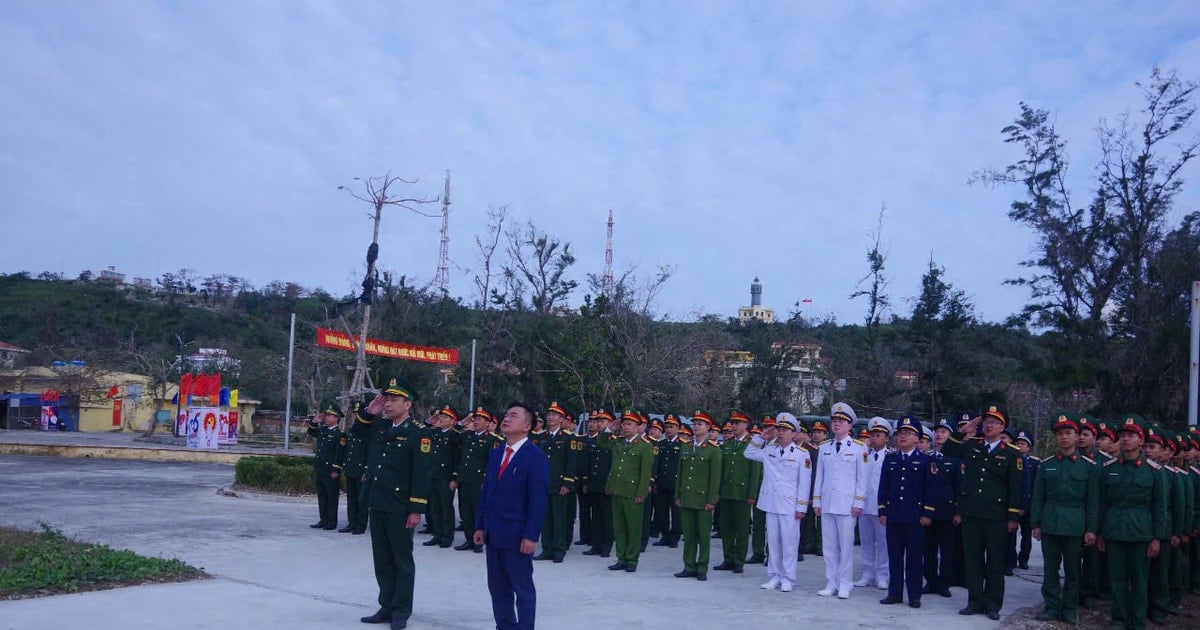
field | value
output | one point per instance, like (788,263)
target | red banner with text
(341,341)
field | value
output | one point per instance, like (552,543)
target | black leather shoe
(317,525)
(591,552)
(685,574)
(969,611)
(445,545)
(661,543)
(378,617)
(478,548)
(890,600)
(800,557)
(558,559)
(1023,565)
(429,543)
(346,530)
(916,604)
(329,527)
(724,566)
(1008,573)
(399,624)
(465,547)
(738,568)
(617,566)
(674,544)
(582,543)
(756,559)
(358,532)
(631,568)
(604,554)
(702,577)
(945,593)
(994,615)
(543,556)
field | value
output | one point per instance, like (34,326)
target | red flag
(113,391)
(185,386)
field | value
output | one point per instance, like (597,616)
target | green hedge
(282,474)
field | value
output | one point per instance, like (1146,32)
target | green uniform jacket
(740,477)
(327,448)
(598,463)
(667,464)
(1184,478)
(563,449)
(354,459)
(398,461)
(632,466)
(443,453)
(474,456)
(990,484)
(1176,500)
(698,474)
(1134,500)
(1066,496)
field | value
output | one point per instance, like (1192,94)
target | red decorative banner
(341,341)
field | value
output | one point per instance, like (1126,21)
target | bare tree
(540,262)
(155,362)
(487,244)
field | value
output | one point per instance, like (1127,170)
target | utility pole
(606,282)
(442,279)
(1194,360)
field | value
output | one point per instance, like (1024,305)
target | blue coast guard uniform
(907,498)
(941,536)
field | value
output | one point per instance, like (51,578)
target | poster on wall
(181,422)
(234,418)
(208,428)
(192,427)
(49,418)
(227,429)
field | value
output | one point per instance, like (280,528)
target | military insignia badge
(808,463)
(933,468)
(426,445)
(656,450)
(1020,463)
(864,458)
(343,441)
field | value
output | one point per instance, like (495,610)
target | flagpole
(287,406)
(471,397)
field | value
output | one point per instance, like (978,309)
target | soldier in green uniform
(740,481)
(1092,584)
(629,486)
(477,443)
(327,461)
(562,449)
(571,426)
(1133,523)
(697,483)
(1182,519)
(594,501)
(443,470)
(1064,515)
(666,512)
(1194,473)
(653,435)
(1158,593)
(758,518)
(398,465)
(989,505)
(354,469)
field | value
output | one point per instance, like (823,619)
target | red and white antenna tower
(606,283)
(442,279)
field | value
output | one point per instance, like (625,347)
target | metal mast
(606,283)
(442,279)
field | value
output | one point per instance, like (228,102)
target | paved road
(271,571)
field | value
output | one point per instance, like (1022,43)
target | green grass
(33,564)
(281,474)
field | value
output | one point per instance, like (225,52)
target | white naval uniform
(840,486)
(871,533)
(786,481)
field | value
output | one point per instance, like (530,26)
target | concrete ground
(270,570)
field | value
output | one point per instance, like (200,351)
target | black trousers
(468,507)
(939,556)
(984,542)
(395,571)
(327,497)
(666,515)
(356,503)
(586,503)
(441,511)
(602,522)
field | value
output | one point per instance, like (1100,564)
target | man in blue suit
(512,506)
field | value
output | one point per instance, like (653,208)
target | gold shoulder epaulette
(1110,462)
(859,442)
(1195,470)
(713,442)
(496,435)
(1087,459)
(1153,464)
(1036,459)
(825,442)
(361,418)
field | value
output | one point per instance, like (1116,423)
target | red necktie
(504,462)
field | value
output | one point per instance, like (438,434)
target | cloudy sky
(730,139)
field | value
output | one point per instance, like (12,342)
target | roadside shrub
(280,474)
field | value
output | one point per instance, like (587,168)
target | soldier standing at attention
(698,481)
(1064,515)
(477,444)
(906,497)
(758,518)
(989,505)
(838,499)
(599,464)
(629,486)
(570,427)
(1157,450)
(1182,508)
(810,527)
(872,533)
(939,538)
(666,513)
(327,461)
(1133,523)
(1093,583)
(443,445)
(740,479)
(354,468)
(560,448)
(399,491)
(783,497)
(1021,558)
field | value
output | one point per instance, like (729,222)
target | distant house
(11,356)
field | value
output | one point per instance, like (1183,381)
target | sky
(730,139)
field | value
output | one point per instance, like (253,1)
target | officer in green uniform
(653,435)
(477,443)
(327,461)
(1064,515)
(629,486)
(398,465)
(354,469)
(740,481)
(1092,584)
(571,426)
(697,483)
(1158,594)
(989,505)
(562,449)
(443,473)
(758,518)
(1133,523)
(666,512)
(594,501)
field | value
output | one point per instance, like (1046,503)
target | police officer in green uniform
(666,512)
(477,443)
(327,461)
(1133,523)
(697,484)
(629,486)
(398,465)
(740,481)
(594,501)
(1064,515)
(989,505)
(562,449)
(443,473)
(653,435)
(354,469)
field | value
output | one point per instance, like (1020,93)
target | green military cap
(397,387)
(1133,423)
(329,405)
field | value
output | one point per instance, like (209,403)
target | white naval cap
(843,411)
(879,424)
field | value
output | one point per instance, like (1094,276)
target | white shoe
(785,587)
(843,594)
(825,592)
(862,582)
(883,586)
(771,584)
